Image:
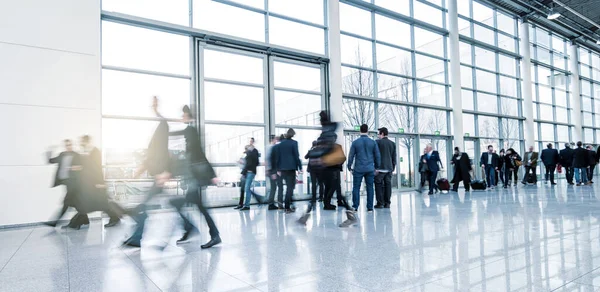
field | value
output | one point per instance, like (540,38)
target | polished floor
(525,239)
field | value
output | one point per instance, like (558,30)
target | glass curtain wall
(242,95)
(589,72)
(394,74)
(490,77)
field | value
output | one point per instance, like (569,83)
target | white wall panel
(71,25)
(31,129)
(32,76)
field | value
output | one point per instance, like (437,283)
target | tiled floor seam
(13,255)
(140,269)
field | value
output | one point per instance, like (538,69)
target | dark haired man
(363,161)
(383,180)
(288,162)
(489,164)
(550,158)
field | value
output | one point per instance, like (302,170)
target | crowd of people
(503,167)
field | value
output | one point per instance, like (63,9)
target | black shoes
(289,211)
(245,209)
(213,241)
(329,207)
(273,207)
(378,206)
(370,210)
(238,207)
(112,223)
(430,193)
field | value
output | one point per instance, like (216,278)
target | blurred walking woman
(202,173)
(512,162)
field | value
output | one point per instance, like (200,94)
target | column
(455,82)
(575,98)
(526,86)
(335,67)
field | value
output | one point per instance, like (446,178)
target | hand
(376,172)
(483,166)
(496,168)
(279,173)
(273,176)
(215,181)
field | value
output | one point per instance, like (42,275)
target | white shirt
(490,158)
(65,166)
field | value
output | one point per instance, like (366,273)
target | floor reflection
(523,239)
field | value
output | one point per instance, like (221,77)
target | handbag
(203,173)
(518,163)
(335,157)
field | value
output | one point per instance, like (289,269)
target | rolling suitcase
(478,184)
(443,184)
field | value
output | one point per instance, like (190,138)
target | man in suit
(363,160)
(566,160)
(383,180)
(581,158)
(593,160)
(489,164)
(462,170)
(530,161)
(550,158)
(288,162)
(434,164)
(66,174)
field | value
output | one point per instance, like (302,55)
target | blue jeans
(248,189)
(490,176)
(581,175)
(370,180)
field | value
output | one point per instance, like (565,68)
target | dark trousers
(424,178)
(515,174)
(591,172)
(333,183)
(275,186)
(140,216)
(314,183)
(383,188)
(508,173)
(530,171)
(432,183)
(242,190)
(341,198)
(194,196)
(466,183)
(500,173)
(569,174)
(490,175)
(289,176)
(550,172)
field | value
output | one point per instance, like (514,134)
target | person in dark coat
(511,162)
(550,158)
(275,182)
(314,180)
(252,162)
(593,161)
(500,173)
(383,179)
(462,170)
(489,164)
(581,162)
(288,165)
(69,164)
(434,164)
(566,161)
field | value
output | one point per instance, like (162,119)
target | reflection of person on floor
(92,196)
(69,164)
(202,174)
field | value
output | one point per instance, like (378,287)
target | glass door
(407,164)
(472,149)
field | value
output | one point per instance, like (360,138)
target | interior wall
(49,90)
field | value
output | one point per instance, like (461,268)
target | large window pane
(510,129)
(129,94)
(507,65)
(174,11)
(233,67)
(483,13)
(588,119)
(505,23)
(309,10)
(544,94)
(560,98)
(392,31)
(400,6)
(465,53)
(464,27)
(486,81)
(547,132)
(431,121)
(544,75)
(506,42)
(355,20)
(306,38)
(396,88)
(138,48)
(546,112)
(430,68)
(429,42)
(508,86)
(509,107)
(432,94)
(297,109)
(542,37)
(488,127)
(487,103)
(297,76)
(233,103)
(563,134)
(485,59)
(559,61)
(394,60)
(358,112)
(427,13)
(469,124)
(464,8)
(483,34)
(467,100)
(225,144)
(225,19)
(561,115)
(558,44)
(357,82)
(356,51)
(395,117)
(466,76)
(543,55)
